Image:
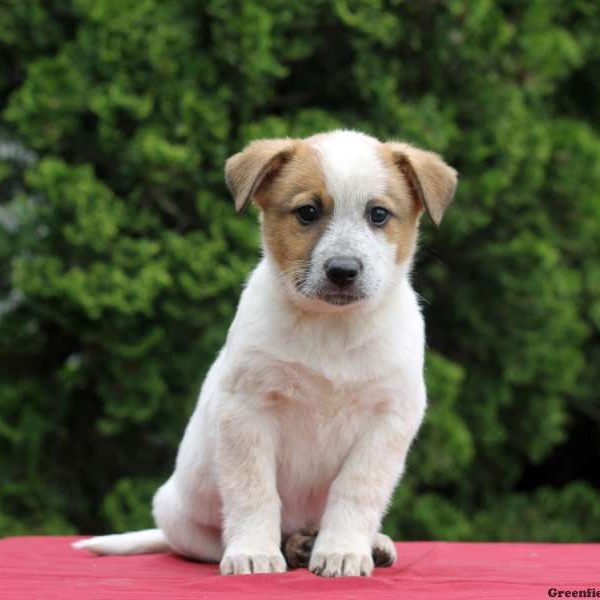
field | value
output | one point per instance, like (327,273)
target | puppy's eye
(379,216)
(307,214)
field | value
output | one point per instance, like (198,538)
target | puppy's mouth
(330,294)
(340,298)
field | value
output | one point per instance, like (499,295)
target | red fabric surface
(47,568)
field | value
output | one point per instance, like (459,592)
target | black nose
(342,270)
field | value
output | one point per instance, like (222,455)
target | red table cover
(47,568)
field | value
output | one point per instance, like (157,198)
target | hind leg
(384,551)
(297,548)
(184,535)
(195,541)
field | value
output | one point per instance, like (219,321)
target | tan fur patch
(300,181)
(404,204)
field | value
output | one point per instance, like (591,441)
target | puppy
(307,414)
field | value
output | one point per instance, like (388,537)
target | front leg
(247,482)
(360,493)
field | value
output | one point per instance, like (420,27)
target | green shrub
(121,258)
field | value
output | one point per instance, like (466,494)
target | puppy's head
(340,210)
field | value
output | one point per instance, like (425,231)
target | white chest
(317,423)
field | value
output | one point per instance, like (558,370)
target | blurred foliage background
(121,258)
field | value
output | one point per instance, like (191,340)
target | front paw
(341,561)
(246,562)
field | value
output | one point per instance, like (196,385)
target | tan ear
(431,180)
(255,166)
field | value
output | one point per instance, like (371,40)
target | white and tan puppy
(307,414)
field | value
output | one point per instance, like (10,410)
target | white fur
(354,174)
(307,414)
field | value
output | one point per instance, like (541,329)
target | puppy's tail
(148,541)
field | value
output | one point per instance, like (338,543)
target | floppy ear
(431,180)
(250,170)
